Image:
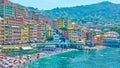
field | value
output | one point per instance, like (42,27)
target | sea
(102,58)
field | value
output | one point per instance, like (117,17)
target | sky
(50,4)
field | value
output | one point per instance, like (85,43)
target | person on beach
(38,56)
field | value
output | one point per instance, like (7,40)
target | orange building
(16,34)
(39,32)
(1,30)
(98,39)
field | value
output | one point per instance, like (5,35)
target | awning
(27,48)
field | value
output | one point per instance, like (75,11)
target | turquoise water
(104,58)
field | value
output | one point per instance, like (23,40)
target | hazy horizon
(51,4)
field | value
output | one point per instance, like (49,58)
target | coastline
(25,60)
(94,48)
(33,57)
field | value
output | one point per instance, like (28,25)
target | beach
(23,61)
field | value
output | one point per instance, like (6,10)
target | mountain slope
(104,12)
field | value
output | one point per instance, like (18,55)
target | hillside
(104,12)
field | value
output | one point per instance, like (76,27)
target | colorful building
(6,10)
(19,11)
(98,39)
(31,14)
(49,31)
(88,36)
(25,33)
(7,33)
(56,38)
(1,30)
(71,25)
(16,34)
(73,35)
(111,39)
(4,2)
(31,32)
(39,32)
(65,34)
(35,32)
(62,22)
(43,31)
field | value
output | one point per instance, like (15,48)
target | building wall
(31,31)
(18,11)
(35,31)
(1,30)
(25,33)
(111,42)
(49,31)
(56,38)
(6,10)
(7,33)
(4,1)
(73,36)
(16,34)
(98,39)
(71,25)
(62,22)
(39,32)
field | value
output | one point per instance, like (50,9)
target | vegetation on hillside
(104,12)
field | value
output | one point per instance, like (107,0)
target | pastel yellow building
(62,22)
(25,33)
(71,25)
(49,31)
(7,33)
(31,31)
(73,36)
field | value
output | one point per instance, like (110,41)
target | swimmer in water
(38,62)
(48,62)
(72,57)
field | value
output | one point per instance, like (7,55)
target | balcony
(1,38)
(1,28)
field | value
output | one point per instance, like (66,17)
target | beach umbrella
(8,43)
(2,43)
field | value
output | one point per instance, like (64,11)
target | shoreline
(25,60)
(33,57)
(95,48)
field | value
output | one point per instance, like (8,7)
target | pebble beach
(7,61)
